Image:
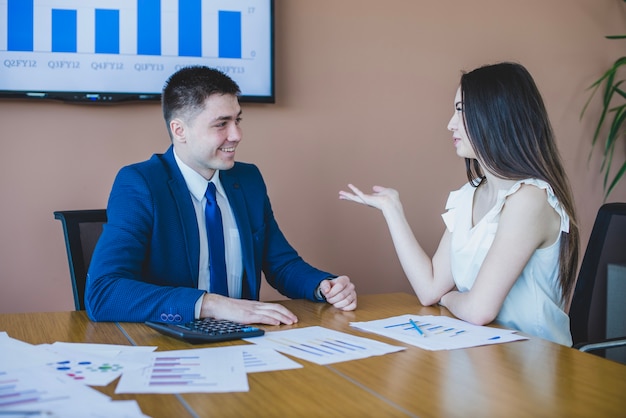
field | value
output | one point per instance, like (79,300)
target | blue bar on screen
(149,27)
(64,27)
(107,31)
(190,28)
(229,34)
(20,25)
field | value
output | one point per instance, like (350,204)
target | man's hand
(339,292)
(245,311)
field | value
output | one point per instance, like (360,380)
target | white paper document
(37,393)
(218,369)
(18,354)
(36,380)
(322,345)
(96,364)
(262,359)
(432,332)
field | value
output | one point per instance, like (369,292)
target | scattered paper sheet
(96,364)
(261,359)
(32,392)
(29,385)
(437,332)
(322,346)
(218,369)
(17,354)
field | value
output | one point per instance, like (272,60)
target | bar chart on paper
(432,332)
(183,371)
(16,389)
(29,391)
(322,346)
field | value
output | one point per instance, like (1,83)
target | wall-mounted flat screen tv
(110,51)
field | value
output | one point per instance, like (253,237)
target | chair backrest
(591,306)
(82,228)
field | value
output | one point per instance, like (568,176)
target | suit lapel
(186,214)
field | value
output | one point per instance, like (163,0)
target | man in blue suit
(152,262)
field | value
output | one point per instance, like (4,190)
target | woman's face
(457,127)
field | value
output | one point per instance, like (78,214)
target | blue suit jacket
(145,265)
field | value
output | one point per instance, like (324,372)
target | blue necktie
(215,233)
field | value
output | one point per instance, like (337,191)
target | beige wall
(365,91)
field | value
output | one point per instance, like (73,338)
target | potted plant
(613,116)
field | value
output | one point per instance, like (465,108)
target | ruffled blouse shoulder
(456,200)
(461,200)
(552,199)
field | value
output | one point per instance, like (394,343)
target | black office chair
(82,228)
(598,309)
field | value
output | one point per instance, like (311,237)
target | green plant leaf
(616,180)
(611,91)
(614,134)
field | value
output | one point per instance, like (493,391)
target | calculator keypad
(207,330)
(217,326)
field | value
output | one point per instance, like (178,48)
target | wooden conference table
(524,378)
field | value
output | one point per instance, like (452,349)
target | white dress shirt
(234,265)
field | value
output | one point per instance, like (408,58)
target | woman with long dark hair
(510,249)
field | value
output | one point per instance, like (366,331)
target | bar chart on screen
(193,28)
(77,37)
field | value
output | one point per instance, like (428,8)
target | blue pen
(417,328)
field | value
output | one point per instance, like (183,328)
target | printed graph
(178,371)
(424,328)
(184,371)
(87,370)
(14,392)
(432,332)
(322,346)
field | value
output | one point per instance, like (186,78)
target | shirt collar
(195,182)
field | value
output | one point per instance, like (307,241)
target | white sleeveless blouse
(534,303)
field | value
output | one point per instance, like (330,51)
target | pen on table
(417,328)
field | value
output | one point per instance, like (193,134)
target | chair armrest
(601,345)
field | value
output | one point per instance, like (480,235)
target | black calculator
(207,330)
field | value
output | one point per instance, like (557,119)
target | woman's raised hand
(381,197)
